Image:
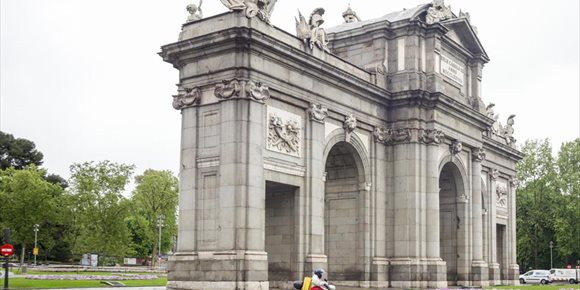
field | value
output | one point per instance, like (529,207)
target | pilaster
(314,232)
(479,269)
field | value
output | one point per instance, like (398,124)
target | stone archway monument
(364,148)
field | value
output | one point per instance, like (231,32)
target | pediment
(462,33)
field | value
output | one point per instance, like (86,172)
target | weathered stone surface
(280,174)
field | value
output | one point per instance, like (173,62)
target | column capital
(392,136)
(188,97)
(317,112)
(240,88)
(478,154)
(431,136)
(494,174)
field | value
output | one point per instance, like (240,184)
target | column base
(219,270)
(379,272)
(479,275)
(417,273)
(514,274)
(494,274)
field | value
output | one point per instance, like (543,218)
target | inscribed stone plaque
(452,69)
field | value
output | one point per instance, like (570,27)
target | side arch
(363,160)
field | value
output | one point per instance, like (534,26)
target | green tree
(156,195)
(99,208)
(537,200)
(567,223)
(18,152)
(28,199)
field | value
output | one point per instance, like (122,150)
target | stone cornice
(501,149)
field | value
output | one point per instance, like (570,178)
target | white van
(565,275)
(535,276)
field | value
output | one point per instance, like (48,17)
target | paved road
(117,288)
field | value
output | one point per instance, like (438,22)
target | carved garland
(191,98)
(283,135)
(242,89)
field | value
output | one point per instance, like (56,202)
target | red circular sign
(7,250)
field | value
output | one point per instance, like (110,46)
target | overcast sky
(82,79)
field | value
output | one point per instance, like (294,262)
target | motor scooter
(299,285)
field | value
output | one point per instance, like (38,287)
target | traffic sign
(35,251)
(7,250)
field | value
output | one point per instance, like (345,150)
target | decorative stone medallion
(242,89)
(392,136)
(284,133)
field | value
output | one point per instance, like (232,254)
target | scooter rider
(317,282)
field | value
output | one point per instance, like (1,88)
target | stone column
(478,266)
(494,274)
(379,265)
(435,265)
(229,212)
(315,257)
(514,268)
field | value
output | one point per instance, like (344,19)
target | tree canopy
(18,152)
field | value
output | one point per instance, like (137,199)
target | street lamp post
(160,225)
(551,246)
(35,240)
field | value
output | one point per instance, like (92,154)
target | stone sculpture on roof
(195,12)
(438,12)
(261,8)
(350,16)
(310,32)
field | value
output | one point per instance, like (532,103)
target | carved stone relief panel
(501,195)
(284,132)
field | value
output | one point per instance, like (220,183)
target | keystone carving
(318,112)
(349,125)
(191,98)
(455,147)
(513,181)
(432,136)
(479,154)
(260,8)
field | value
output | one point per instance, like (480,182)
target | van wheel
(544,282)
(522,281)
(572,281)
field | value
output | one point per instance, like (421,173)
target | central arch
(344,210)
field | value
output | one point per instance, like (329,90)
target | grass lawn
(22,283)
(538,287)
(34,272)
